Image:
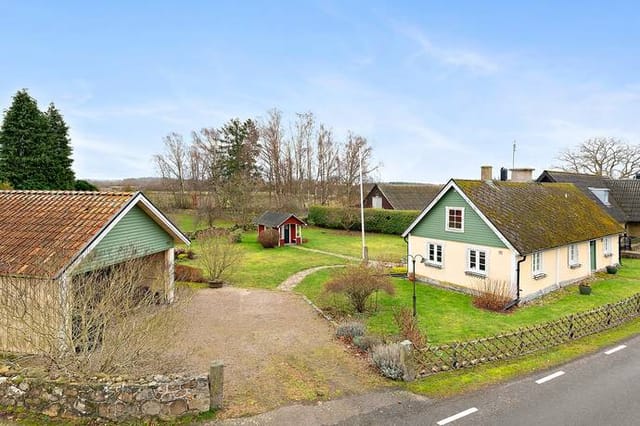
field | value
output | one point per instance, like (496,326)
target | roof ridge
(65,192)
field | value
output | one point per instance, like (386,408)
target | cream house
(535,237)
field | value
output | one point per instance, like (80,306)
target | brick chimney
(486,172)
(523,174)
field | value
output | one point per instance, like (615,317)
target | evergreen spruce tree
(24,137)
(61,175)
(35,151)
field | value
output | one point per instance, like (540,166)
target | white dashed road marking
(616,349)
(457,416)
(549,377)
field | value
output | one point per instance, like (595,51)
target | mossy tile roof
(536,216)
(409,196)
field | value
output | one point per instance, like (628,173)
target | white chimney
(522,174)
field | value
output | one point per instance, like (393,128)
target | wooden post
(216,378)
(169,278)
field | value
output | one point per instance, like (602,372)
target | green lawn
(448,316)
(266,268)
(189,221)
(385,247)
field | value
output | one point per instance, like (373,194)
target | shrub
(358,282)
(493,295)
(190,254)
(366,342)
(350,330)
(188,273)
(375,220)
(408,326)
(388,360)
(219,258)
(269,238)
(235,236)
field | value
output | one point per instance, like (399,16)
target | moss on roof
(403,196)
(535,216)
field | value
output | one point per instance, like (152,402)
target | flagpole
(364,247)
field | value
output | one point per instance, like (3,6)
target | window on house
(602,194)
(477,261)
(536,264)
(376,202)
(573,255)
(606,246)
(434,254)
(455,219)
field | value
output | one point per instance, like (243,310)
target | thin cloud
(457,57)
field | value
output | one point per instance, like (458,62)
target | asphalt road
(601,389)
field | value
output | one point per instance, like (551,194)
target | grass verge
(451,383)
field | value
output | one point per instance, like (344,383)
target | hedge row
(375,220)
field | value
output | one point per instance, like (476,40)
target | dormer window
(602,194)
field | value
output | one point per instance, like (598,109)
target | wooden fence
(433,359)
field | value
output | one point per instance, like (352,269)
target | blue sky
(438,88)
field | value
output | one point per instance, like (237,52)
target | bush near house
(375,220)
(188,273)
(269,238)
(358,282)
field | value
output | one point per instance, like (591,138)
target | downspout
(517,299)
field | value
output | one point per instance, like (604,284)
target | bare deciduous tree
(173,166)
(350,166)
(327,157)
(603,156)
(271,134)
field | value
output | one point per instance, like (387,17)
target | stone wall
(163,397)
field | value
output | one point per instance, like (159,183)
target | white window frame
(573,254)
(376,202)
(607,247)
(602,194)
(446,219)
(477,270)
(537,267)
(434,261)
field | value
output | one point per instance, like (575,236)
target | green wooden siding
(135,235)
(476,230)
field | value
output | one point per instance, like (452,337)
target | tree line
(306,164)
(35,148)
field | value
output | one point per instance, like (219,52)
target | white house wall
(454,267)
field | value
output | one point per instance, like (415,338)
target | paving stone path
(295,279)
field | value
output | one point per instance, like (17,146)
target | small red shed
(289,226)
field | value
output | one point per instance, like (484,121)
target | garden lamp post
(413,258)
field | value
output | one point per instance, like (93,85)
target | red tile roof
(42,231)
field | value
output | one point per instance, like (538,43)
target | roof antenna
(513,157)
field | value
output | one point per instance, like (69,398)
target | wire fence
(433,359)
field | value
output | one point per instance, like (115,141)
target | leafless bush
(219,258)
(269,238)
(493,295)
(358,282)
(113,320)
(408,326)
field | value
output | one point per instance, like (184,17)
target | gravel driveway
(275,348)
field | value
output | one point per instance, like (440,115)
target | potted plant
(612,269)
(218,258)
(584,288)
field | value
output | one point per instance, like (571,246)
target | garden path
(295,279)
